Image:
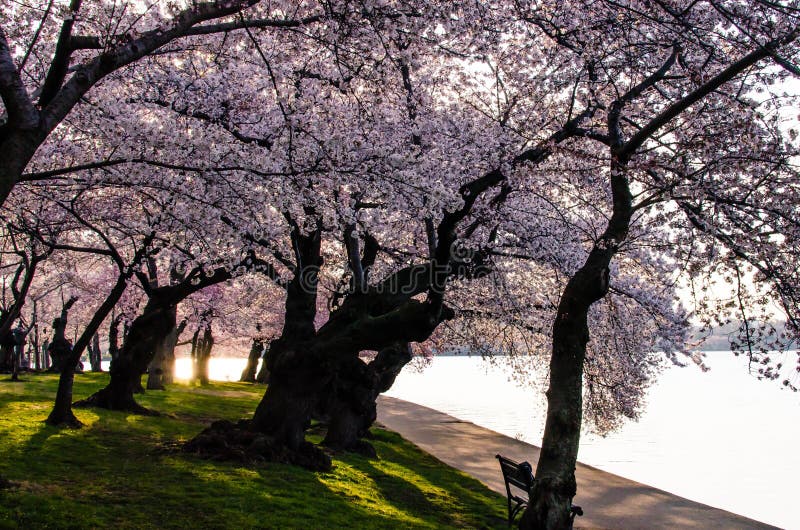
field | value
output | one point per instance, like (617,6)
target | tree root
(225,440)
(104,400)
(69,421)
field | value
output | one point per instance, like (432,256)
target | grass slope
(123,471)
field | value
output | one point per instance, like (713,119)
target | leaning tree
(676,168)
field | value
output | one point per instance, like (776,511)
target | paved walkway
(609,501)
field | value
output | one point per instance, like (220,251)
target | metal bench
(520,477)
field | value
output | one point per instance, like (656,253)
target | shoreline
(608,500)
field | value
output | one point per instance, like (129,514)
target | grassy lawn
(124,471)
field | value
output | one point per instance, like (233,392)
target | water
(722,437)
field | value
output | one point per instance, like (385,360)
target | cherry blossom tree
(512,175)
(53,53)
(665,97)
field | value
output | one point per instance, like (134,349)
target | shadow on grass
(454,492)
(121,471)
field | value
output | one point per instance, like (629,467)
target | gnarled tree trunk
(285,411)
(113,337)
(18,351)
(352,404)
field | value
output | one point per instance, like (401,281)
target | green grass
(123,471)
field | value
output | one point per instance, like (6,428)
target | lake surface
(722,437)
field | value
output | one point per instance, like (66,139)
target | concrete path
(608,501)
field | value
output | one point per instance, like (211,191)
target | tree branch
(60,63)
(21,112)
(671,112)
(88,74)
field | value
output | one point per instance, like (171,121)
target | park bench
(519,476)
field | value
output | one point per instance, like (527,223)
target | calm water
(722,438)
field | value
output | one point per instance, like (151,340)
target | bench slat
(520,475)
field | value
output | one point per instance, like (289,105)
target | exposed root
(225,440)
(69,421)
(104,400)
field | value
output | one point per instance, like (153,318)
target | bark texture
(555,486)
(352,401)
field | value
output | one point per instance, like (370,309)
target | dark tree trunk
(277,431)
(27,270)
(555,487)
(284,413)
(155,372)
(353,406)
(113,337)
(45,356)
(389,363)
(195,352)
(18,351)
(138,349)
(170,343)
(95,355)
(158,366)
(350,406)
(62,409)
(15,358)
(6,356)
(204,346)
(61,350)
(249,372)
(293,382)
(35,345)
(18,145)
(37,356)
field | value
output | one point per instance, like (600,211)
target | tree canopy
(562,179)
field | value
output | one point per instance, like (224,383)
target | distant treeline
(721,338)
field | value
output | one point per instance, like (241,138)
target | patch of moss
(123,471)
